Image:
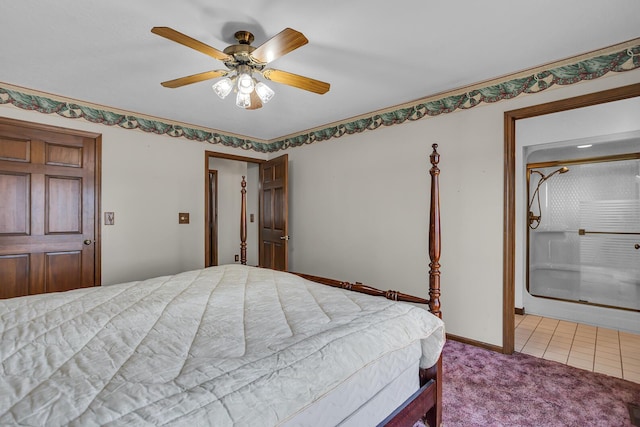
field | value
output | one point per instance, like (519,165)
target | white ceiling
(374,54)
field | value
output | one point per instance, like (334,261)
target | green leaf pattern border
(588,69)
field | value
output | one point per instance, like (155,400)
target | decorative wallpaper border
(585,69)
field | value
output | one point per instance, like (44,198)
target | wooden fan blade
(280,44)
(295,80)
(178,37)
(195,78)
(255,101)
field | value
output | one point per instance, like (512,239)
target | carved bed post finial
(243,223)
(434,235)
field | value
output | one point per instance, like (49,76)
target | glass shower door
(586,245)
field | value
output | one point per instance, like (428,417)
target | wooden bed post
(243,223)
(434,416)
(434,236)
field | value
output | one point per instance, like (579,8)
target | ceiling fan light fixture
(243,100)
(223,87)
(264,92)
(245,83)
(242,61)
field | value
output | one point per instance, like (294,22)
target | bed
(226,345)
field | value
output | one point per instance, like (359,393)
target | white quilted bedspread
(229,345)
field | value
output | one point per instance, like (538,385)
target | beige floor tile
(561,341)
(630,349)
(607,370)
(610,344)
(607,353)
(585,339)
(630,337)
(630,343)
(548,322)
(562,358)
(587,349)
(564,334)
(559,348)
(631,363)
(583,346)
(537,352)
(632,376)
(567,324)
(586,334)
(598,361)
(579,363)
(630,368)
(582,355)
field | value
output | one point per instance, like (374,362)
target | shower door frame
(571,162)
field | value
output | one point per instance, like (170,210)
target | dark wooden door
(274,215)
(48,193)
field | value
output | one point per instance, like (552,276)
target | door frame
(212,215)
(207,231)
(509,240)
(97,179)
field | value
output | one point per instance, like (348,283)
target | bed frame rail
(365,289)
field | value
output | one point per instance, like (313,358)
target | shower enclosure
(584,229)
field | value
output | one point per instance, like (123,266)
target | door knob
(87,242)
(284,238)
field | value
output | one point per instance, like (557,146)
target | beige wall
(146,180)
(358,205)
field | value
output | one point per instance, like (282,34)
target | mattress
(367,397)
(221,346)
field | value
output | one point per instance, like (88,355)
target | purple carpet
(485,388)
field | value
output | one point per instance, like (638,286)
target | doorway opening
(515,228)
(224,174)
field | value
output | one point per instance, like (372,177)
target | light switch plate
(183,218)
(109,218)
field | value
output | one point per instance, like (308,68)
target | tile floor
(608,351)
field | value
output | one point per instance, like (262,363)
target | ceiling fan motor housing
(241,52)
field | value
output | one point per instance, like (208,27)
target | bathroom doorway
(561,116)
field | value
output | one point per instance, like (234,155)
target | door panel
(15,275)
(63,271)
(64,156)
(48,227)
(14,149)
(64,209)
(14,193)
(274,252)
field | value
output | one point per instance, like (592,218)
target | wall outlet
(237,258)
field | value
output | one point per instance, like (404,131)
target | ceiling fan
(242,61)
